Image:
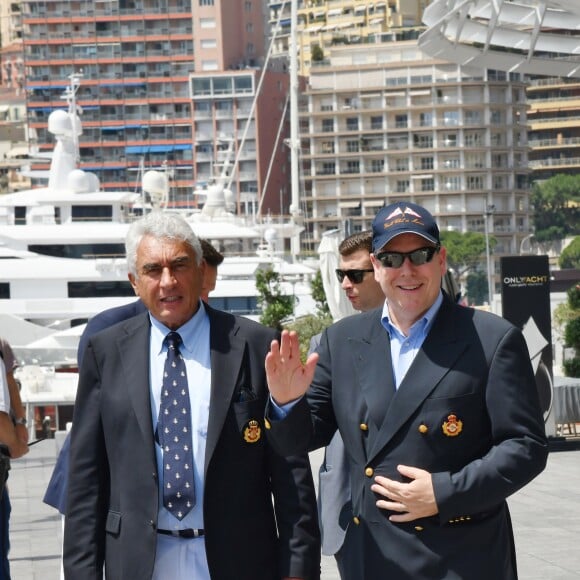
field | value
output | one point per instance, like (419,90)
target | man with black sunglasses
(356,277)
(437,406)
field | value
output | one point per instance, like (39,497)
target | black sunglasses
(355,276)
(417,257)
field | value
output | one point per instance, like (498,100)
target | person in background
(14,442)
(356,278)
(437,406)
(165,478)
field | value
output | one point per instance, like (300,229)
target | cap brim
(384,240)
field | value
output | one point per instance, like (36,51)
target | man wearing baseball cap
(437,407)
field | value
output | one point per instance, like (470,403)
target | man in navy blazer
(249,501)
(437,406)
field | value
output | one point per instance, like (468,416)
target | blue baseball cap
(403,218)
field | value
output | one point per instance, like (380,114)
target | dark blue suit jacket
(56,490)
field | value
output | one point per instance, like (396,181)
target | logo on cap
(398,211)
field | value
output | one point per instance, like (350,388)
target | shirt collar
(424,323)
(187,331)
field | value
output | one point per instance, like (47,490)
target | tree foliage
(319,296)
(570,256)
(316,53)
(276,306)
(572,333)
(477,287)
(556,206)
(307,327)
(465,251)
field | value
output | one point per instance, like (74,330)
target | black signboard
(525,293)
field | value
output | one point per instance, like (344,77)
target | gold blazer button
(369,471)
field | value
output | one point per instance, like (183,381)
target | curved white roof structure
(527,36)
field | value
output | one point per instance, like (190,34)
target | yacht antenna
(70,96)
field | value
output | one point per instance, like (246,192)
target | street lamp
(489,209)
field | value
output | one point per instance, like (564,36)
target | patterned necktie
(174,431)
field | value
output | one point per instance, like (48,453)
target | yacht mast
(295,213)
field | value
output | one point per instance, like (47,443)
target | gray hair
(160,225)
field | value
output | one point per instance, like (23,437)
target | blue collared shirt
(404,349)
(195,334)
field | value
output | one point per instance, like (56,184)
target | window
(402,185)
(4,290)
(401,165)
(451,163)
(99,289)
(428,184)
(474,182)
(377,165)
(208,43)
(452,183)
(473,140)
(353,146)
(426,162)
(401,121)
(327,125)
(327,147)
(352,124)
(206,2)
(423,141)
(450,140)
(250,27)
(426,119)
(328,168)
(472,117)
(207,22)
(377,122)
(243,305)
(352,167)
(450,118)
(496,118)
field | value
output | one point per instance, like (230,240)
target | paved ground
(545,514)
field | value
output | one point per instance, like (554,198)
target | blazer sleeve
(519,446)
(83,550)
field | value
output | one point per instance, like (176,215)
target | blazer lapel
(438,354)
(372,361)
(227,351)
(132,344)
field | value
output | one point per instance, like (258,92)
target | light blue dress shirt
(404,349)
(177,558)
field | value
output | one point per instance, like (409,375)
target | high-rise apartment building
(140,60)
(554,119)
(390,123)
(324,24)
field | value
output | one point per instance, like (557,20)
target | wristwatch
(20,421)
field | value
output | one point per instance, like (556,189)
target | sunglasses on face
(417,257)
(355,276)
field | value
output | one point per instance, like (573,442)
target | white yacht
(62,246)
